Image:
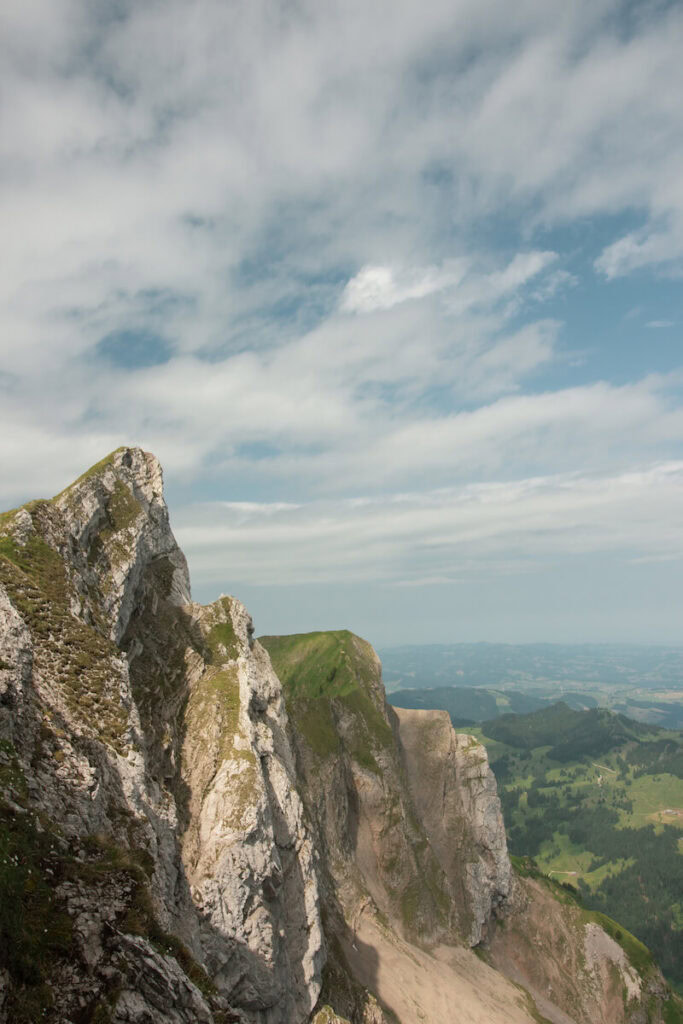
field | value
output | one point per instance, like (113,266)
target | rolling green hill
(570,734)
(466,704)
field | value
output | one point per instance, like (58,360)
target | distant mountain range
(468,705)
(478,681)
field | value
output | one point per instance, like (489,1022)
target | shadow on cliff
(158,636)
(352,965)
(162,632)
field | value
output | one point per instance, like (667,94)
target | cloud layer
(450,535)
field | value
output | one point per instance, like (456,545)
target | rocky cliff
(152,829)
(405,810)
(188,835)
(407,818)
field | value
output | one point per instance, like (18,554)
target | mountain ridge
(186,837)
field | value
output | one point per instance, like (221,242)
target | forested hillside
(597,800)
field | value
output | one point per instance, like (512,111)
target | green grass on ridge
(317,669)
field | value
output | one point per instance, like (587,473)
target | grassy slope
(325,664)
(317,669)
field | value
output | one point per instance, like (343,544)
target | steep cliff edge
(407,810)
(185,838)
(455,792)
(155,863)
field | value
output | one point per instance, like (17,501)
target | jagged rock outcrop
(247,852)
(144,741)
(353,781)
(188,836)
(579,966)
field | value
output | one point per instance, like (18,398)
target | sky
(394,291)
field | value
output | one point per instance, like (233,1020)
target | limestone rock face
(248,855)
(353,782)
(455,792)
(575,971)
(407,810)
(145,767)
(117,518)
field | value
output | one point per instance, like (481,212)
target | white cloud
(659,323)
(375,288)
(635,251)
(166,148)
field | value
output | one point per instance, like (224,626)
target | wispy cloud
(444,536)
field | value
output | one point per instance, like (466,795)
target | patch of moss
(111,542)
(434,880)
(123,508)
(8,548)
(313,719)
(215,699)
(75,654)
(214,705)
(533,1010)
(360,703)
(7,517)
(672,1010)
(316,668)
(410,902)
(525,867)
(34,930)
(326,1015)
(221,639)
(364,757)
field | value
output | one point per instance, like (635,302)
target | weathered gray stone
(124,771)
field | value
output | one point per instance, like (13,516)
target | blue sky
(393,290)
